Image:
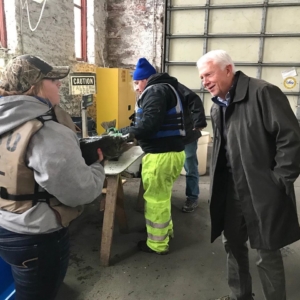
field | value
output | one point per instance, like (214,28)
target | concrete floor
(195,269)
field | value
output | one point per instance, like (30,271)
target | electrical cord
(28,14)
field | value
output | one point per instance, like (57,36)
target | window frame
(83,9)
(3,33)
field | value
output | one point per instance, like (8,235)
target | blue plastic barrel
(7,287)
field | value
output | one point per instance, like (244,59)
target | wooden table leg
(114,204)
(108,221)
(102,199)
(120,212)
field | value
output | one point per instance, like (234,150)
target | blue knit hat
(143,70)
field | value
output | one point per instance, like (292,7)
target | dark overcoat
(263,139)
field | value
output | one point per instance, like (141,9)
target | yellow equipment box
(115,98)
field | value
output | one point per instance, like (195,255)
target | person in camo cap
(44,180)
(25,70)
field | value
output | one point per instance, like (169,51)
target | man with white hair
(255,161)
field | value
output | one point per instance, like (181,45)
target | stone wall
(134,30)
(119,32)
(53,39)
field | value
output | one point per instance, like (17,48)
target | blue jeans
(191,168)
(39,262)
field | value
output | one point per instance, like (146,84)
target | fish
(109,125)
(112,146)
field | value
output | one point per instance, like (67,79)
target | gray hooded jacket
(55,157)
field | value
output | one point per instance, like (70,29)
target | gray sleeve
(55,157)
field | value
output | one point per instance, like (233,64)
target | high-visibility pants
(159,172)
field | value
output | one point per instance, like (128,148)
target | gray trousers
(269,263)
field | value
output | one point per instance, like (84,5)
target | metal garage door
(262,36)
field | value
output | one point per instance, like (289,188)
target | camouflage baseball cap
(24,71)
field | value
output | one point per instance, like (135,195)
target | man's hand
(100,154)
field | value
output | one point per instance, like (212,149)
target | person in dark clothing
(194,121)
(159,129)
(255,161)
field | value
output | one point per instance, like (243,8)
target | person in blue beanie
(159,129)
(195,121)
(143,70)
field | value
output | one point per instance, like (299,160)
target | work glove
(124,130)
(132,119)
(113,131)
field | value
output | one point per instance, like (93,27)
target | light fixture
(38,1)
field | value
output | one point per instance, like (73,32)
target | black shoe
(190,206)
(142,245)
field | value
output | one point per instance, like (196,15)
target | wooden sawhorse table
(114,202)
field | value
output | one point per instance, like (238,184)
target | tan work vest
(17,180)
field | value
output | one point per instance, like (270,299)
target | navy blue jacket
(155,103)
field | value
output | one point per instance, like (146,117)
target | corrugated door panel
(283,20)
(263,38)
(188,2)
(239,50)
(240,20)
(273,74)
(283,1)
(187,75)
(186,50)
(232,2)
(282,49)
(293,102)
(187,22)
